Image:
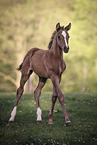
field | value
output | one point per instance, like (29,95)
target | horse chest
(62,67)
(54,64)
(59,67)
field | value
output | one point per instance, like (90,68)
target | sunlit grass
(82,110)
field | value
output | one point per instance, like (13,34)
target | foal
(46,64)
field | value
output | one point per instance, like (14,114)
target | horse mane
(51,41)
(52,37)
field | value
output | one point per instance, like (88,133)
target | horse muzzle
(66,49)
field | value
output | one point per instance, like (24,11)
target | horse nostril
(66,49)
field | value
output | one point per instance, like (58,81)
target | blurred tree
(26,24)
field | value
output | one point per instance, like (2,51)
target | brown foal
(46,64)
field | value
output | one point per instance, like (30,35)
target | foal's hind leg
(24,78)
(54,98)
(37,93)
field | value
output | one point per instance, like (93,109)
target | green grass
(81,108)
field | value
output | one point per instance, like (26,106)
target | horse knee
(61,99)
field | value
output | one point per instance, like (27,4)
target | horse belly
(37,64)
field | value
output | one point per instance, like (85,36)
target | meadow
(81,108)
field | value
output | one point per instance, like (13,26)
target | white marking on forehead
(64,35)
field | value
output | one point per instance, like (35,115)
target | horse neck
(57,52)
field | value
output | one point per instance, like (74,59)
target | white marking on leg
(13,114)
(39,112)
(64,35)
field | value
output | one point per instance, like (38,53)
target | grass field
(81,108)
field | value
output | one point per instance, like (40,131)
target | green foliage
(81,107)
(26,24)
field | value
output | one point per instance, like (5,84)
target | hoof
(50,122)
(68,123)
(11,120)
(39,122)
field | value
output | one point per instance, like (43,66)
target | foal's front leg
(55,81)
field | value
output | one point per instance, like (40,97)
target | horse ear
(57,26)
(68,27)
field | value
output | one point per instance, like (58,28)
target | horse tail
(20,67)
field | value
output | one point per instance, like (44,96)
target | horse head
(63,37)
